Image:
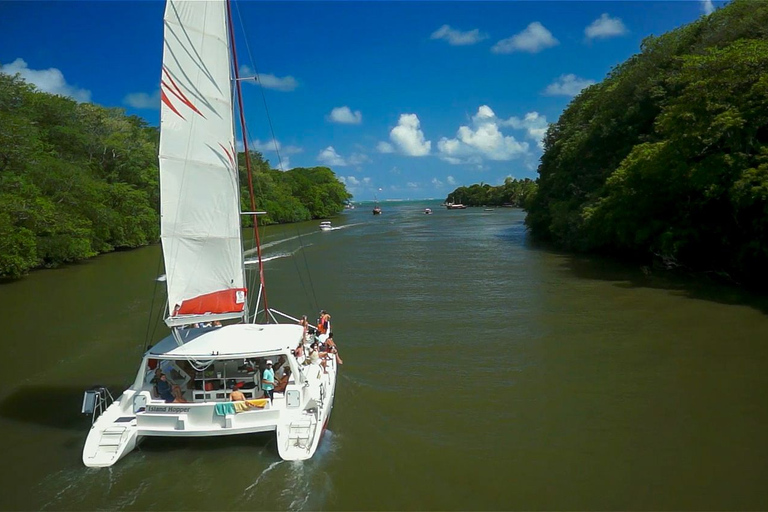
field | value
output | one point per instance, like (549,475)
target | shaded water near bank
(480,373)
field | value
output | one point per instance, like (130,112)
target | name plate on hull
(167,409)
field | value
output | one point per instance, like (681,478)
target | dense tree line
(291,196)
(668,157)
(512,193)
(78,179)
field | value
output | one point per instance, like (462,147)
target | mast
(249,171)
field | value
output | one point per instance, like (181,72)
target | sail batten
(200,213)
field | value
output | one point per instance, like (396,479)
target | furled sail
(200,200)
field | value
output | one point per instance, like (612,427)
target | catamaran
(218,372)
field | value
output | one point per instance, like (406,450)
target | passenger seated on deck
(177,396)
(164,388)
(236,395)
(282,382)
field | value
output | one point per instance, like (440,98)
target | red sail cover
(231,300)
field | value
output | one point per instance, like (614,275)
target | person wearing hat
(268,380)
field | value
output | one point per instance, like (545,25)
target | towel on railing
(224,408)
(249,404)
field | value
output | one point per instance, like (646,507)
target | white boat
(428,211)
(325,225)
(455,206)
(203,362)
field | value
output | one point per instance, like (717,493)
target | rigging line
(152,305)
(238,87)
(279,159)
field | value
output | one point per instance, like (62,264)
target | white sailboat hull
(298,416)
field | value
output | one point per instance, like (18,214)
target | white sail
(200,226)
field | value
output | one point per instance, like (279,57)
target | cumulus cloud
(567,85)
(532,40)
(707,6)
(344,115)
(450,180)
(385,147)
(604,27)
(49,80)
(457,37)
(269,81)
(408,138)
(534,124)
(437,183)
(143,100)
(483,140)
(276,145)
(330,157)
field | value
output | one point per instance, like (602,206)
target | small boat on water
(455,206)
(325,225)
(377,210)
(428,211)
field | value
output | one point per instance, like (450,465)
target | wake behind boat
(207,378)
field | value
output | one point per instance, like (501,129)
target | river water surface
(480,373)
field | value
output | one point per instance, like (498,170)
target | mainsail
(200,213)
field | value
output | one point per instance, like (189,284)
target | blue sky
(413,98)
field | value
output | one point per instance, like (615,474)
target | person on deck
(236,395)
(283,382)
(164,388)
(268,380)
(324,322)
(333,349)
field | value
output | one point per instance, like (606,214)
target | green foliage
(292,196)
(668,156)
(513,192)
(78,179)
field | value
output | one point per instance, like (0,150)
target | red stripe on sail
(229,155)
(231,300)
(165,100)
(176,91)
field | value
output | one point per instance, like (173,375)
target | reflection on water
(481,372)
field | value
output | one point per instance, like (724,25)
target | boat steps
(300,433)
(111,439)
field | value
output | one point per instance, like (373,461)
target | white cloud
(707,6)
(367,180)
(533,39)
(351,180)
(266,146)
(408,137)
(344,115)
(450,180)
(567,85)
(437,183)
(49,80)
(457,37)
(143,100)
(604,27)
(329,156)
(385,147)
(534,124)
(482,141)
(411,184)
(269,81)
